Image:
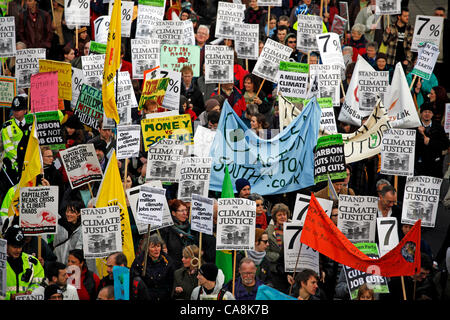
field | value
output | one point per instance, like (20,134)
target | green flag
(224,258)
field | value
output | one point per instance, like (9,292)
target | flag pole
(268,21)
(412,82)
(295,269)
(147,243)
(234,270)
(403,288)
(260,87)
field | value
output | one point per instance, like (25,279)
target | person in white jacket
(56,273)
(210,280)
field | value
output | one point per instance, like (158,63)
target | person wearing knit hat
(210,105)
(210,280)
(243,188)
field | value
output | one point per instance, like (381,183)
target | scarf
(184,229)
(256,256)
(279,235)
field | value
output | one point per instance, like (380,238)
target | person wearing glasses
(291,42)
(247,283)
(179,235)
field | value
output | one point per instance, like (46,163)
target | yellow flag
(112,62)
(111,193)
(32,166)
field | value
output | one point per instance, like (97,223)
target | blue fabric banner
(268,293)
(121,277)
(281,164)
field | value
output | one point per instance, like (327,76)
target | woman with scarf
(280,215)
(178,235)
(185,278)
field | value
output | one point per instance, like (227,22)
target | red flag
(320,233)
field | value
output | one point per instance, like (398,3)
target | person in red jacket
(234,96)
(358,41)
(89,281)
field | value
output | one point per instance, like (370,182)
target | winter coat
(183,278)
(199,293)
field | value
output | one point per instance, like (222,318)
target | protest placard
(202,214)
(328,118)
(77,13)
(39,210)
(27,64)
(97,47)
(44,91)
(77,82)
(64,70)
(329,159)
(126,17)
(144,55)
(89,107)
(8,90)
(154,89)
(421,200)
(302,204)
(30,297)
(101,27)
(133,197)
(203,140)
(150,208)
(219,64)
(246,40)
(399,102)
(128,141)
(175,57)
(296,254)
(355,278)
(271,3)
(268,62)
(228,14)
(426,60)
(101,231)
(164,160)
(308,26)
(288,110)
(48,129)
(371,86)
(188,33)
(447,118)
(7,37)
(177,127)
(293,80)
(357,217)
(81,165)
(397,152)
(343,9)
(325,81)
(236,220)
(427,29)
(339,25)
(350,112)
(387,234)
(387,7)
(121,276)
(194,177)
(171,99)
(330,49)
(145,17)
(125,98)
(153,3)
(93,69)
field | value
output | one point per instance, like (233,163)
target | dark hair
(440,8)
(426,262)
(403,9)
(109,291)
(213,116)
(78,253)
(254,79)
(335,204)
(349,69)
(283,27)
(387,189)
(120,258)
(75,205)
(52,269)
(261,119)
(304,275)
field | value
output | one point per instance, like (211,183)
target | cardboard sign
(48,129)
(308,26)
(397,152)
(89,107)
(144,56)
(8,90)
(64,70)
(268,62)
(428,54)
(246,40)
(228,14)
(44,92)
(174,57)
(77,12)
(128,141)
(329,158)
(27,64)
(219,64)
(427,29)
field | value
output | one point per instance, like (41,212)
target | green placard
(97,48)
(174,57)
(294,67)
(329,158)
(153,3)
(49,130)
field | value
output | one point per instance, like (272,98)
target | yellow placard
(64,70)
(177,127)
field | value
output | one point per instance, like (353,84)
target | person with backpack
(210,280)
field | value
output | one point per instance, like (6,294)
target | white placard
(357,217)
(101,231)
(145,55)
(372,85)
(92,67)
(246,40)
(145,18)
(7,37)
(77,12)
(397,152)
(27,64)
(325,80)
(203,139)
(308,259)
(330,49)
(421,200)
(427,29)
(236,221)
(426,60)
(387,7)
(194,177)
(228,14)
(128,141)
(202,214)
(172,97)
(127,16)
(101,27)
(302,204)
(219,64)
(308,26)
(77,83)
(268,63)
(387,234)
(164,160)
(151,205)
